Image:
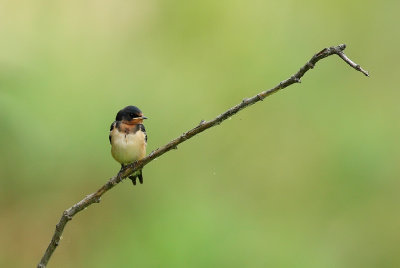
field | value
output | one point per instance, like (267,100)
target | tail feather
(140,176)
(137,175)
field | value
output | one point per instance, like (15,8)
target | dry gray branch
(130,169)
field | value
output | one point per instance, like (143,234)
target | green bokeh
(308,178)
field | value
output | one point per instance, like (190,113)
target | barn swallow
(128,138)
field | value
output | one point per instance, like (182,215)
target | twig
(203,125)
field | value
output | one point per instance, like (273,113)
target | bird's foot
(120,173)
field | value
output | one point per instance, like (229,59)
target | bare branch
(203,125)
(352,63)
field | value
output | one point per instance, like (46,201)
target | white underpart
(127,148)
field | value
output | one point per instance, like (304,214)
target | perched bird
(128,138)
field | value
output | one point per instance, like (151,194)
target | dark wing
(111,128)
(144,131)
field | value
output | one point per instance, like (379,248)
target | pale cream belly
(127,148)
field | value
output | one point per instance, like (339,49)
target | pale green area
(308,178)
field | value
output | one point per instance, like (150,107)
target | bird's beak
(143,117)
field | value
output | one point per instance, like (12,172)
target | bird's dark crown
(128,113)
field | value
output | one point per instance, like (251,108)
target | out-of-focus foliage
(307,178)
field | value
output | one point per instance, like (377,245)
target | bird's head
(130,115)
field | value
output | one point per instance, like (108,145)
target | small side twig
(130,169)
(352,63)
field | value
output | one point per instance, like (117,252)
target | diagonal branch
(130,169)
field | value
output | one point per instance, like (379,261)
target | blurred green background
(307,178)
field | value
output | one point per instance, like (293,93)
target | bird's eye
(132,115)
